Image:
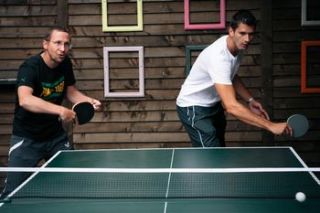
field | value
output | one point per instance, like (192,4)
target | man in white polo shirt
(212,85)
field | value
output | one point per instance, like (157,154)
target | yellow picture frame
(107,28)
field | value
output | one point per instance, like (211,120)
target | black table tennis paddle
(299,124)
(84,112)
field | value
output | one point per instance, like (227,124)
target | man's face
(242,36)
(57,47)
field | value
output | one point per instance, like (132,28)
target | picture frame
(107,87)
(304,66)
(107,28)
(188,54)
(305,21)
(219,25)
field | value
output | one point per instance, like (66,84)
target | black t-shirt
(49,85)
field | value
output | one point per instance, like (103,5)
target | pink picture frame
(218,25)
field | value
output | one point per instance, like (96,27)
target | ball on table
(300,196)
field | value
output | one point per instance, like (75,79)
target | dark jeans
(26,152)
(204,125)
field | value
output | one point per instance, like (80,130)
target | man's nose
(62,47)
(247,38)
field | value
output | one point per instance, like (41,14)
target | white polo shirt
(215,64)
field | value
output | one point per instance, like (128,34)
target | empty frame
(188,51)
(107,76)
(107,28)
(217,25)
(310,66)
(310,12)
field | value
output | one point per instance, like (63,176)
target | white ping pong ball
(300,196)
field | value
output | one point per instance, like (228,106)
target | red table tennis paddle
(84,112)
(299,124)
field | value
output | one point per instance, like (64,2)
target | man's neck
(232,47)
(49,62)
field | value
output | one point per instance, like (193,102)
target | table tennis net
(111,183)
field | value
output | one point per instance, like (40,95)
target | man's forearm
(241,90)
(75,96)
(37,105)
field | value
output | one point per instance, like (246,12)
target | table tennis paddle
(84,112)
(299,124)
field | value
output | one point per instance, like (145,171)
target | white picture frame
(107,89)
(304,15)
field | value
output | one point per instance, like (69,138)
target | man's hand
(66,115)
(257,109)
(281,129)
(96,104)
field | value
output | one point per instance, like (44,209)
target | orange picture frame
(304,57)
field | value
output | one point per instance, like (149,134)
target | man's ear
(45,44)
(230,31)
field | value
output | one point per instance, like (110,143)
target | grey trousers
(204,125)
(26,152)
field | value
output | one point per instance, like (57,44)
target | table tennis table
(166,193)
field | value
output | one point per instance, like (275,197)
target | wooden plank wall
(287,98)
(271,68)
(149,121)
(23,23)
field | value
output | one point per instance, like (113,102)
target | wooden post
(266,65)
(63,21)
(62,13)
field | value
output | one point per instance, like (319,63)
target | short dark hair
(55,28)
(243,16)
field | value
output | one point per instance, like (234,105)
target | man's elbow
(24,96)
(23,102)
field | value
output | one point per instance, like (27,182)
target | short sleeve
(27,75)
(220,71)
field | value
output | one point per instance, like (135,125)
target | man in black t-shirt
(43,82)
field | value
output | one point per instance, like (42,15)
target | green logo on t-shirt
(51,91)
